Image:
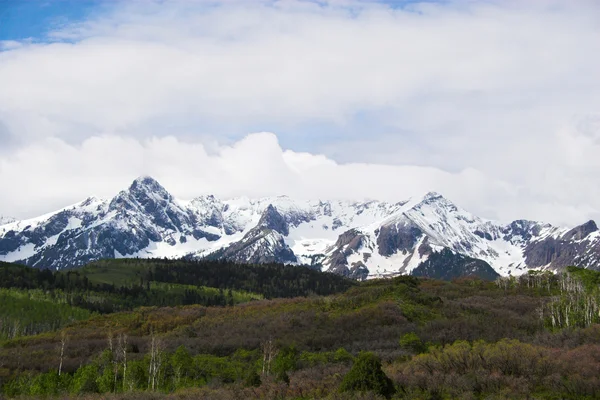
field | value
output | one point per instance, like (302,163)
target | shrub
(84,380)
(413,343)
(252,379)
(366,375)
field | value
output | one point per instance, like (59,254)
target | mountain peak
(146,186)
(144,192)
(432,199)
(272,219)
(582,231)
(432,196)
(146,181)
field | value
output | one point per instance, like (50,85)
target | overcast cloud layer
(494,104)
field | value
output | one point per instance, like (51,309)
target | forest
(285,332)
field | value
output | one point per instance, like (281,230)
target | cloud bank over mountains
(494,104)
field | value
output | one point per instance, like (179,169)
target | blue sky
(495,104)
(22,19)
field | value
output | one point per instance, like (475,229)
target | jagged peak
(148,187)
(591,224)
(146,181)
(272,219)
(582,231)
(91,201)
(432,196)
(436,199)
(143,191)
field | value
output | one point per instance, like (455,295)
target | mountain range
(426,235)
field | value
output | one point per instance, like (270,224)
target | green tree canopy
(366,375)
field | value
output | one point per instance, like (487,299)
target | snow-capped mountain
(357,239)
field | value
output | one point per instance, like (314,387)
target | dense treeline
(73,288)
(131,276)
(269,280)
(116,285)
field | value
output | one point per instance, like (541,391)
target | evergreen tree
(366,375)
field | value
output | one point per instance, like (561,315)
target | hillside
(531,337)
(36,300)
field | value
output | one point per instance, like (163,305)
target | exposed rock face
(260,245)
(398,237)
(264,243)
(580,232)
(576,247)
(147,197)
(347,243)
(208,211)
(359,271)
(350,240)
(271,219)
(521,229)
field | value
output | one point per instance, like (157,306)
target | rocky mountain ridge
(357,239)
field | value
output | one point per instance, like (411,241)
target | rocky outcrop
(359,271)
(272,219)
(580,232)
(401,236)
(259,246)
(521,229)
(571,248)
(347,243)
(264,243)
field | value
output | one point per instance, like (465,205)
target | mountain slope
(432,223)
(356,239)
(448,265)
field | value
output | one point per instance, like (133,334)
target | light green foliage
(137,377)
(286,360)
(220,368)
(342,355)
(311,359)
(508,356)
(411,342)
(28,312)
(106,379)
(84,380)
(49,383)
(182,366)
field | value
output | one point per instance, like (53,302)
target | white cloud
(492,103)
(53,174)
